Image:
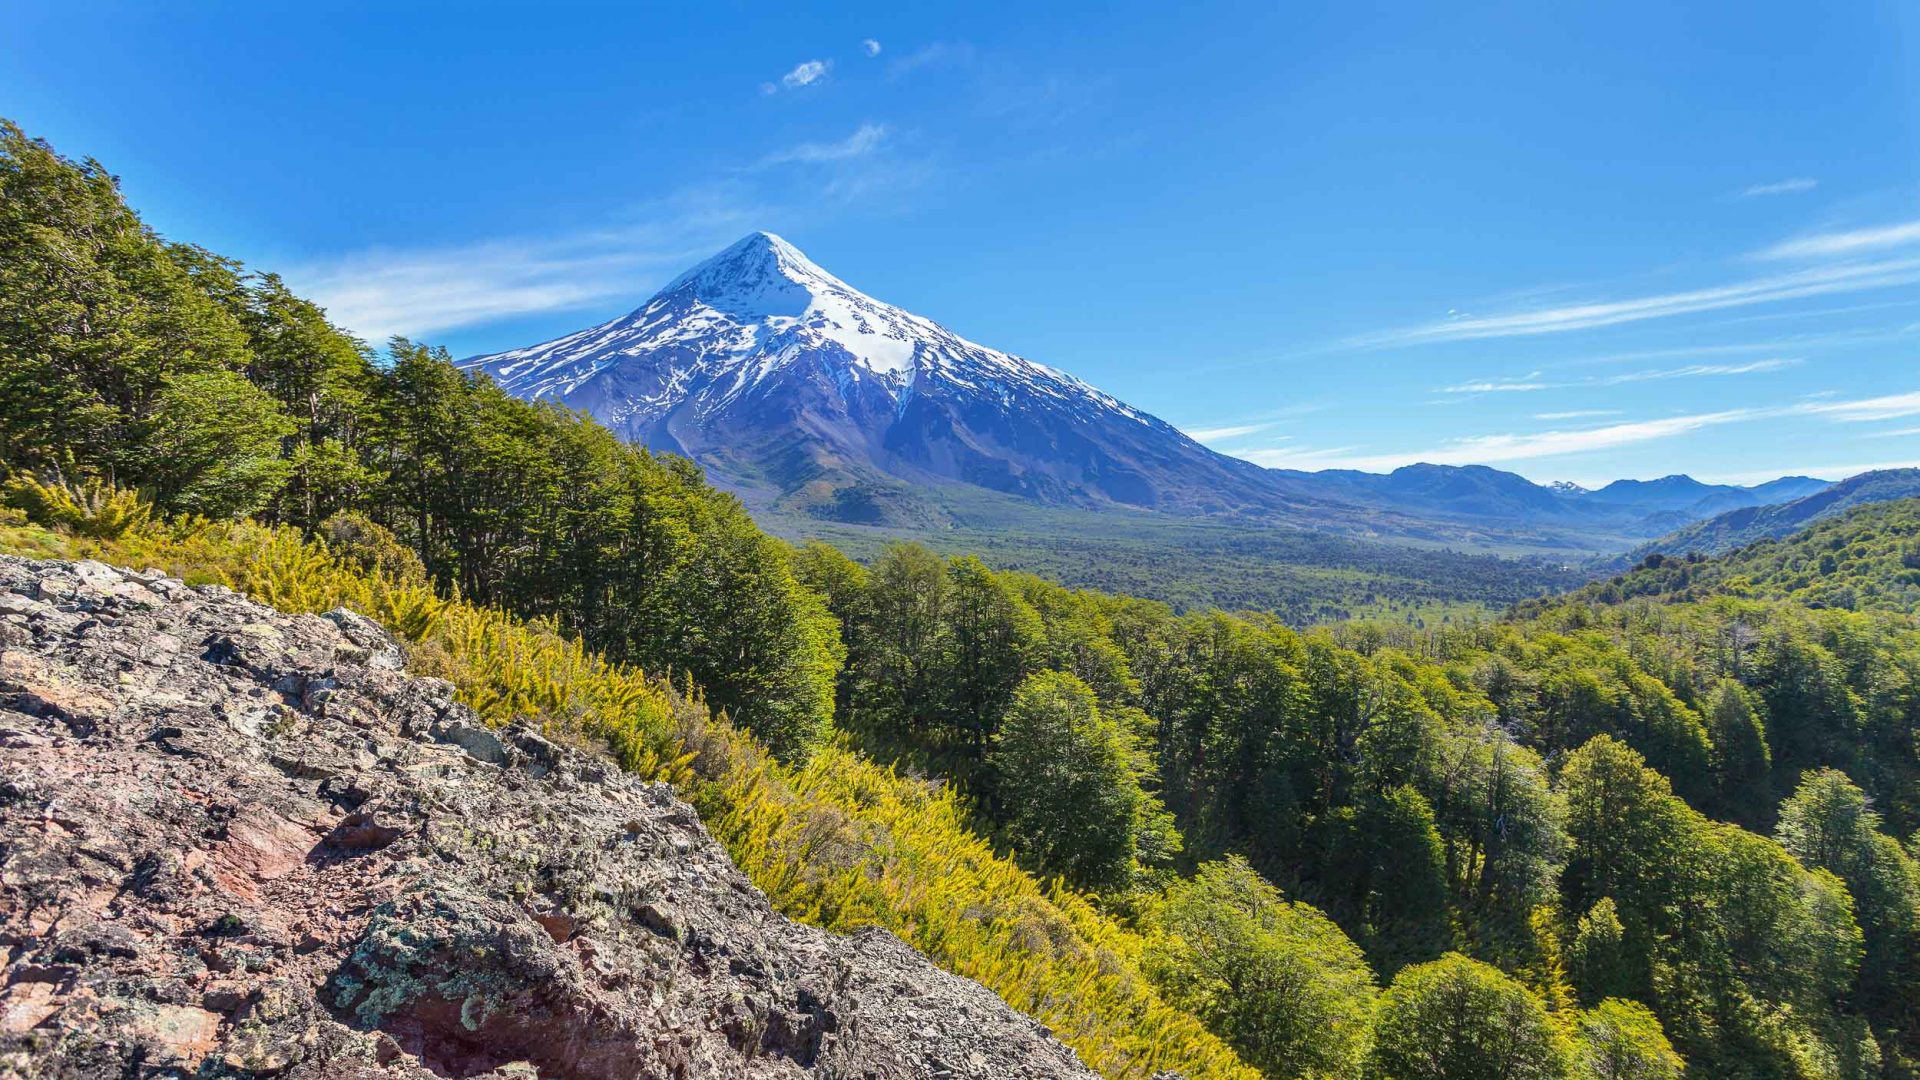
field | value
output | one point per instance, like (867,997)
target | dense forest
(1304,577)
(1651,829)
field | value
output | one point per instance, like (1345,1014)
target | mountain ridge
(1738,528)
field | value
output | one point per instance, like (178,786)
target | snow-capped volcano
(800,391)
(756,309)
(780,377)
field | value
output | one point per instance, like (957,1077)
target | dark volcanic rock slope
(237,843)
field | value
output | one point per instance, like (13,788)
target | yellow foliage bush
(93,507)
(839,842)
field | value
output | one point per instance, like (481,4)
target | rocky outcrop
(239,843)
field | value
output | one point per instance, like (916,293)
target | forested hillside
(1614,835)
(1866,559)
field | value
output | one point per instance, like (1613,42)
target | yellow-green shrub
(93,507)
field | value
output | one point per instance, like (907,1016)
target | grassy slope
(840,842)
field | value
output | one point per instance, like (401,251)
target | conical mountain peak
(759,348)
(759,274)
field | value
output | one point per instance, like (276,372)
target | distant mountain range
(810,398)
(1738,528)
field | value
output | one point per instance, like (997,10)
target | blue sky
(1626,241)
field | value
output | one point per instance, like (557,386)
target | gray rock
(382,649)
(239,843)
(476,740)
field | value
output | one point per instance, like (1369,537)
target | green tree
(1597,958)
(95,317)
(1070,783)
(899,678)
(1277,980)
(1622,1040)
(1458,1019)
(1827,823)
(1741,757)
(1390,864)
(1630,841)
(215,444)
(993,639)
(846,587)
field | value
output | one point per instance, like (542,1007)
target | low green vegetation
(1659,827)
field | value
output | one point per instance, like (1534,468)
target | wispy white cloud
(1522,384)
(864,140)
(1895,433)
(1695,370)
(1533,382)
(1815,281)
(1221,434)
(1683,352)
(1493,449)
(1245,424)
(1280,457)
(1575,414)
(1851,242)
(1889,407)
(806,73)
(382,291)
(379,292)
(1793,186)
(1559,442)
(870,46)
(1825,472)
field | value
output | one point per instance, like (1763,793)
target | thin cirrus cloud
(1696,370)
(1532,382)
(865,140)
(1827,471)
(380,292)
(1814,281)
(1488,449)
(1793,186)
(1221,434)
(1521,385)
(1889,407)
(1560,442)
(1849,242)
(1249,425)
